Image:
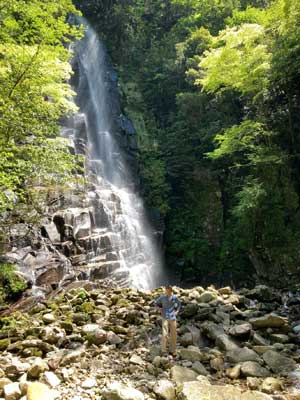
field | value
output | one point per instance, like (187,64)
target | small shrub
(11,284)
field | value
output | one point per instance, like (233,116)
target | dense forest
(213,89)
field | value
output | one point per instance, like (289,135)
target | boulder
(192,353)
(39,391)
(94,334)
(253,369)
(241,355)
(165,390)
(12,391)
(118,391)
(204,391)
(278,363)
(207,297)
(268,321)
(242,330)
(186,339)
(190,310)
(225,343)
(199,368)
(181,374)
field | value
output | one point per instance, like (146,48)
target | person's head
(169,290)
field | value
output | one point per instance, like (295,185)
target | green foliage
(34,71)
(11,284)
(213,89)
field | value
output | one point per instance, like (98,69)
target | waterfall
(119,219)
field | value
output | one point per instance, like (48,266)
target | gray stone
(207,297)
(186,339)
(192,353)
(199,368)
(278,363)
(240,330)
(190,310)
(268,321)
(253,369)
(181,374)
(242,355)
(225,343)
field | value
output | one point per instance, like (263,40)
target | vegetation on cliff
(213,89)
(34,94)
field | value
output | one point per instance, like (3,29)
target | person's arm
(158,302)
(178,305)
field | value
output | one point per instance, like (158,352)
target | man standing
(169,306)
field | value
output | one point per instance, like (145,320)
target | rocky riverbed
(96,343)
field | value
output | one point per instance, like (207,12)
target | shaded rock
(165,390)
(278,363)
(242,330)
(253,369)
(71,357)
(118,391)
(268,321)
(186,339)
(181,374)
(259,340)
(192,353)
(242,355)
(207,297)
(190,310)
(225,343)
(279,338)
(199,368)
(217,363)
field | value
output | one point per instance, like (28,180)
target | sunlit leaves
(240,61)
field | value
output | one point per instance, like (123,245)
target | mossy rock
(67,326)
(32,352)
(123,303)
(4,343)
(86,307)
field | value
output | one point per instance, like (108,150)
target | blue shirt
(169,305)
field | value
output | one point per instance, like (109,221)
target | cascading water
(131,245)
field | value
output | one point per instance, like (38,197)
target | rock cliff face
(95,228)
